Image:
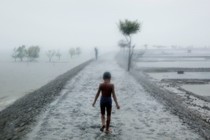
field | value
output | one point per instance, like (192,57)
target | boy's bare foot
(102,128)
(108,131)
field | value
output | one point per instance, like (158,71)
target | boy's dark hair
(107,75)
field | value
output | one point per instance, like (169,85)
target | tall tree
(50,54)
(127,28)
(33,52)
(21,52)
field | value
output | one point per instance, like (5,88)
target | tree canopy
(129,27)
(21,52)
(33,52)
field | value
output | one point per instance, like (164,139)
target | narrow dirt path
(71,116)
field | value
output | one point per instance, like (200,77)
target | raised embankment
(16,119)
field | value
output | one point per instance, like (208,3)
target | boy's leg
(109,110)
(103,120)
(102,117)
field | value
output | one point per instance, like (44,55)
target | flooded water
(202,90)
(175,64)
(72,116)
(186,75)
(18,79)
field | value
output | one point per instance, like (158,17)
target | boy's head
(107,76)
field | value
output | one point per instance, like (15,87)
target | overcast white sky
(88,23)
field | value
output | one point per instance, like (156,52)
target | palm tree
(127,28)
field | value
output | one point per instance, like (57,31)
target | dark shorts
(106,104)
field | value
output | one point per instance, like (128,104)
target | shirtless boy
(107,89)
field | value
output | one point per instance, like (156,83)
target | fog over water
(171,55)
(67,23)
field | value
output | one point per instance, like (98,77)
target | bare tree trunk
(129,54)
(129,58)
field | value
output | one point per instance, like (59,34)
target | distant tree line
(74,51)
(51,53)
(32,52)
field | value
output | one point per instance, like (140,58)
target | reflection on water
(203,90)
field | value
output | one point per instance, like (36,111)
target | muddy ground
(141,116)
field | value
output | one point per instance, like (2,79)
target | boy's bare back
(106,89)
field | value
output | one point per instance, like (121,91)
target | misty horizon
(65,24)
(61,62)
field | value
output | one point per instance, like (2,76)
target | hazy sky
(88,23)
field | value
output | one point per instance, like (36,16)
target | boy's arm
(115,98)
(97,94)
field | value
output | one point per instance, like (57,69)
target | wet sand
(71,116)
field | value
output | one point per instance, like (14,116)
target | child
(106,89)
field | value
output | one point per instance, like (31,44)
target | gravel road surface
(72,116)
